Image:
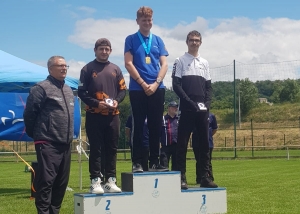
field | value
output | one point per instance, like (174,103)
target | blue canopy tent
(17,76)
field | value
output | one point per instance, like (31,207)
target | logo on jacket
(94,74)
(58,98)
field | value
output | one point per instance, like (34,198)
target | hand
(151,89)
(115,105)
(102,105)
(194,105)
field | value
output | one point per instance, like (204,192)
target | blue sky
(258,30)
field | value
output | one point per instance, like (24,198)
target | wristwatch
(158,80)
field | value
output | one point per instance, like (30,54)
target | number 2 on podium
(107,206)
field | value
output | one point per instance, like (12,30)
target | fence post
(264,142)
(283,139)
(125,144)
(252,138)
(234,109)
(225,142)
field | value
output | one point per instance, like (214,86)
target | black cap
(102,42)
(173,104)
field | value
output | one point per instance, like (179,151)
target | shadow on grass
(21,193)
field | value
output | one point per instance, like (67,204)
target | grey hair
(52,59)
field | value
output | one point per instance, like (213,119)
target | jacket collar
(56,82)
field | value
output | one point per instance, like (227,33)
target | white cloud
(87,10)
(75,68)
(242,39)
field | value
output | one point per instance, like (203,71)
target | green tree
(170,95)
(289,91)
(277,87)
(125,111)
(248,95)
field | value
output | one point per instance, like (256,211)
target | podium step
(153,193)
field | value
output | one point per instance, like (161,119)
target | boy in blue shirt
(146,61)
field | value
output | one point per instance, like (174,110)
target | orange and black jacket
(99,81)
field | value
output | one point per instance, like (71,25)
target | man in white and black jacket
(49,119)
(192,83)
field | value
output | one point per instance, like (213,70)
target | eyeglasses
(194,40)
(62,66)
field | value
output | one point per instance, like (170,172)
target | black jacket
(49,112)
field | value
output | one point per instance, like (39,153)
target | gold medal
(148,60)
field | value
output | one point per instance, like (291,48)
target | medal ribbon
(147,49)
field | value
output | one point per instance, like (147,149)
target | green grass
(217,154)
(253,185)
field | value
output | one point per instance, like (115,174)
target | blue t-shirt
(145,131)
(148,72)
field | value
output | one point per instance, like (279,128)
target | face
(194,43)
(172,110)
(58,69)
(102,53)
(145,23)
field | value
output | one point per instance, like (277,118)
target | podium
(153,193)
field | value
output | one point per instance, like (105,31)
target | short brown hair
(144,11)
(102,42)
(193,33)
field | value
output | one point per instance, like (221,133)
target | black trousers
(188,122)
(103,133)
(167,152)
(54,162)
(197,157)
(145,159)
(151,107)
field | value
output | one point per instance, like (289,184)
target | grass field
(253,185)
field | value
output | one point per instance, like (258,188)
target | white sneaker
(96,186)
(111,186)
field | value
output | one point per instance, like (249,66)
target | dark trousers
(151,107)
(188,122)
(167,152)
(54,162)
(145,158)
(197,156)
(103,133)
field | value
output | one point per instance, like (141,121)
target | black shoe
(136,167)
(198,181)
(158,168)
(207,182)
(184,184)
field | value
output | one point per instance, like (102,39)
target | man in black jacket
(192,83)
(48,118)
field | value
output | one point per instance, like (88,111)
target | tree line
(247,93)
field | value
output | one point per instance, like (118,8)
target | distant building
(264,100)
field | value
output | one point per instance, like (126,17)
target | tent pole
(80,147)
